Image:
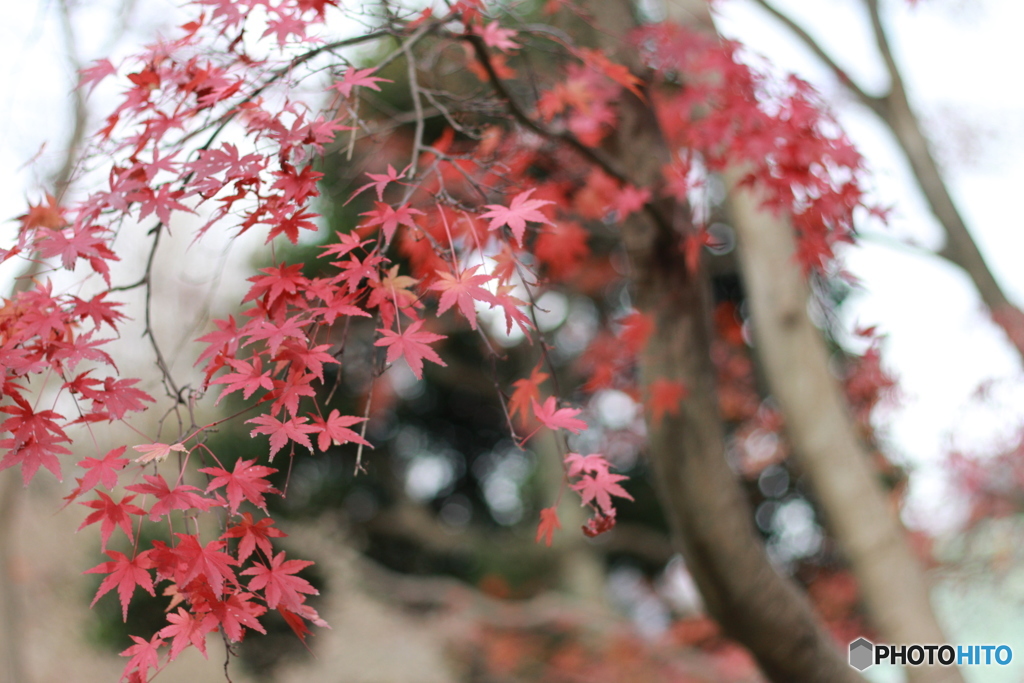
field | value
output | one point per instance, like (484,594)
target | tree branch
(871,101)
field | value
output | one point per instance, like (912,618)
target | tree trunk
(795,361)
(708,514)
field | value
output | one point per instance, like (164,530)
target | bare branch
(871,101)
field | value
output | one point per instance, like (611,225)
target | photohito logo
(864,653)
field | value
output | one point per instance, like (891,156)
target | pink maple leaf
(553,417)
(111,515)
(521,210)
(278,584)
(354,78)
(462,289)
(124,574)
(246,481)
(411,344)
(548,523)
(281,432)
(335,430)
(600,486)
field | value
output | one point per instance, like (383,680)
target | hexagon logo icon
(861,654)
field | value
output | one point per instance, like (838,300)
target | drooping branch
(895,111)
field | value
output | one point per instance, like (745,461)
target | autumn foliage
(475,224)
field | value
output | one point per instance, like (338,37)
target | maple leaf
(579,464)
(278,584)
(548,524)
(599,487)
(664,398)
(111,515)
(124,574)
(289,226)
(636,329)
(156,451)
(185,630)
(276,334)
(236,611)
(563,418)
(92,75)
(293,429)
(521,210)
(181,497)
(462,289)
(334,430)
(380,181)
(49,215)
(253,536)
(144,656)
(389,218)
(497,37)
(248,378)
(525,390)
(629,200)
(205,560)
(102,471)
(246,481)
(511,306)
(31,454)
(276,282)
(411,344)
(304,358)
(354,78)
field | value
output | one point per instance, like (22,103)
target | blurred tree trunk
(707,510)
(708,514)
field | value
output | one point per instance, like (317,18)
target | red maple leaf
(234,612)
(102,471)
(390,218)
(599,487)
(246,481)
(253,536)
(289,226)
(335,430)
(185,629)
(144,656)
(247,378)
(92,75)
(380,181)
(208,561)
(525,391)
(354,78)
(578,464)
(281,432)
(111,515)
(548,524)
(462,289)
(181,497)
(411,344)
(517,213)
(498,38)
(125,574)
(664,398)
(553,417)
(278,584)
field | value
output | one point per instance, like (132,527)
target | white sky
(960,61)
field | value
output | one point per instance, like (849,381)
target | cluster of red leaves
(481,231)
